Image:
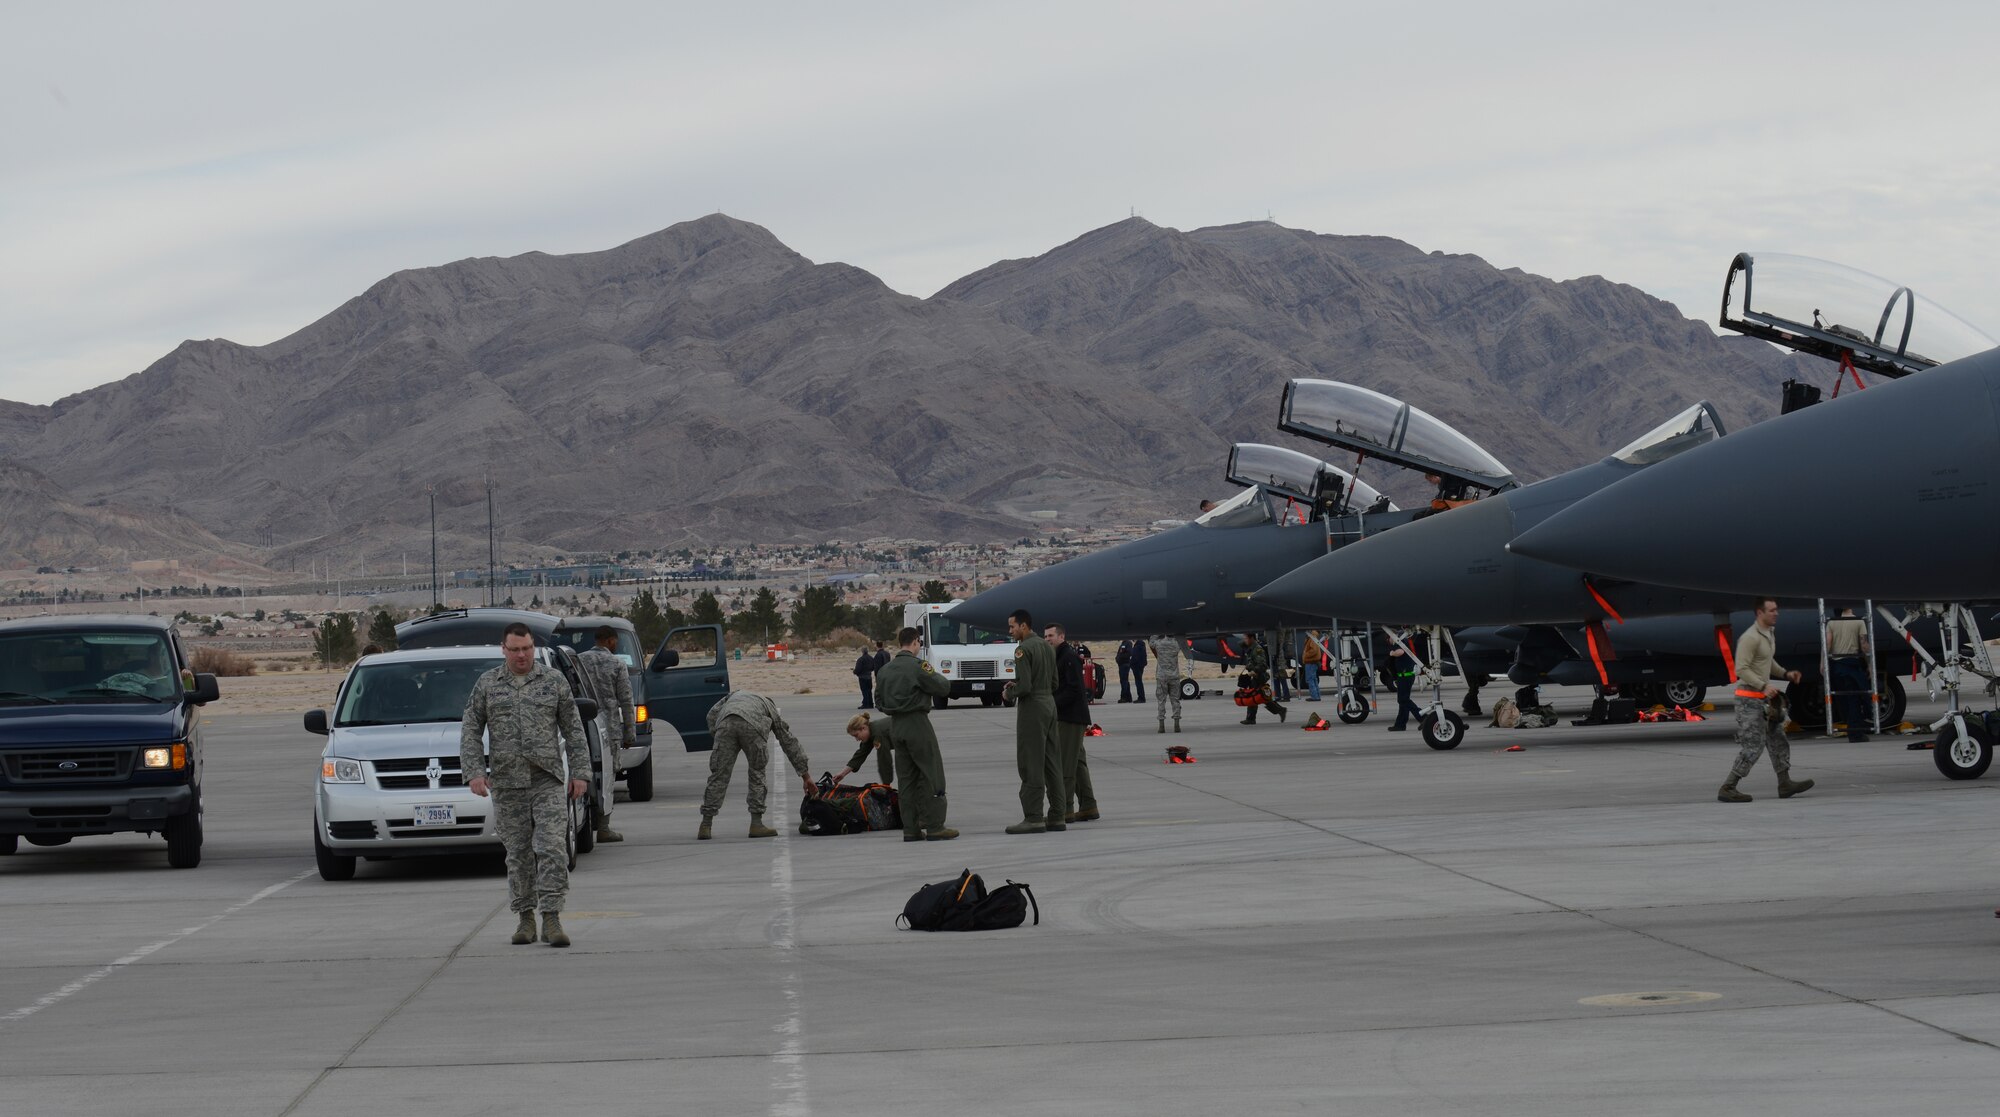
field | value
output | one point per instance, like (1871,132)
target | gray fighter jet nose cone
(1442,569)
(1054,594)
(1887,493)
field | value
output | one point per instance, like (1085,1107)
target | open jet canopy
(1299,477)
(1245,509)
(1829,309)
(1368,422)
(1685,431)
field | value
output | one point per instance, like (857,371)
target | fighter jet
(1196,579)
(1886,493)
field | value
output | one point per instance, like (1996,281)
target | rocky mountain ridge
(706,384)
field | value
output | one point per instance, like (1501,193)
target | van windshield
(104,666)
(944,630)
(411,691)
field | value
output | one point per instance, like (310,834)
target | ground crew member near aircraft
(526,710)
(608,676)
(1847,661)
(1139,670)
(1257,662)
(1035,749)
(1757,669)
(904,690)
(742,723)
(1311,655)
(1403,669)
(873,735)
(1166,678)
(1072,719)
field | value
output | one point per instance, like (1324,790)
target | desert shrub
(222,662)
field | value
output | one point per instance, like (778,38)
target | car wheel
(9,843)
(586,834)
(639,781)
(1963,757)
(1442,731)
(1350,706)
(184,837)
(1190,690)
(332,866)
(48,840)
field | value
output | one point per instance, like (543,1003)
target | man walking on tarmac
(1035,750)
(534,729)
(1759,723)
(1167,677)
(904,691)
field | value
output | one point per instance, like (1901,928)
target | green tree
(652,625)
(334,644)
(934,592)
(880,621)
(707,610)
(818,612)
(761,621)
(382,631)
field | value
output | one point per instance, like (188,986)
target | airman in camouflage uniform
(1036,754)
(742,723)
(1166,677)
(904,690)
(528,715)
(613,683)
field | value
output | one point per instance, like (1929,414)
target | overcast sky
(203,169)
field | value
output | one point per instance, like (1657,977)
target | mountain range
(707,385)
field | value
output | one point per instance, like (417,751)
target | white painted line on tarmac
(788,1069)
(99,974)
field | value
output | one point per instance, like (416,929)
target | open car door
(686,677)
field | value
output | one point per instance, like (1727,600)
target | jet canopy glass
(1827,309)
(1685,431)
(1301,477)
(1246,509)
(1368,422)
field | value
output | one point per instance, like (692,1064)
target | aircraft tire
(1683,693)
(1442,732)
(1190,690)
(1964,758)
(1350,707)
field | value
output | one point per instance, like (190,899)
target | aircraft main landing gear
(1442,729)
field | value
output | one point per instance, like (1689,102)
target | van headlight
(339,769)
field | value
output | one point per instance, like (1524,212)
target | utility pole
(490,550)
(433,493)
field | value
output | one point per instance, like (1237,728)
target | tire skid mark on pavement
(93,977)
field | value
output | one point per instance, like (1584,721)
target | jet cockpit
(1697,425)
(1374,425)
(1843,314)
(1311,489)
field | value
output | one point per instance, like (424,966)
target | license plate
(435,814)
(979,686)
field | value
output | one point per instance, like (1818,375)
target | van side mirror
(316,722)
(668,658)
(586,709)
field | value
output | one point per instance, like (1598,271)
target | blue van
(100,732)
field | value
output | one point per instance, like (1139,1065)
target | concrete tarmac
(1337,922)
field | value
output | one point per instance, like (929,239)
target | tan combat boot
(758,829)
(1729,794)
(1163,724)
(607,834)
(1027,826)
(552,932)
(1177,725)
(705,833)
(941,834)
(524,932)
(1787,787)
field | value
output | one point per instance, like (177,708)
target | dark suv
(100,732)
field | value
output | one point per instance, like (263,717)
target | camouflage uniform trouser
(1075,767)
(734,735)
(533,823)
(1167,688)
(1755,733)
